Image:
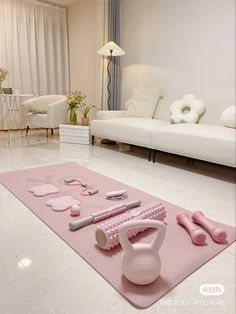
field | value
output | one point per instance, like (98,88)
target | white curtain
(34,46)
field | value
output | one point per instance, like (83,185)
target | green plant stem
(73,116)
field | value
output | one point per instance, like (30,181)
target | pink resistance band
(88,189)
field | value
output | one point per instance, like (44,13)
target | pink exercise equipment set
(141,263)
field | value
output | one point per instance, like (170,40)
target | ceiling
(62,2)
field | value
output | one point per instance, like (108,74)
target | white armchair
(45,112)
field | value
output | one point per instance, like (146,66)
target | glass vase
(73,116)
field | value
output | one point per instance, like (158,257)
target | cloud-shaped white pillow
(186,110)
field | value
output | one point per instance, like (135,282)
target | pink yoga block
(217,234)
(197,235)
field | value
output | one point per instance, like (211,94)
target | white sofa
(207,140)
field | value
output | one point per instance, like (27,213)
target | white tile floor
(58,280)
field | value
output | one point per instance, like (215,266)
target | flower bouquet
(74,100)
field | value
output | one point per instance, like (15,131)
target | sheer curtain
(34,46)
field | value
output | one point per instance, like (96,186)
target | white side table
(77,134)
(11,114)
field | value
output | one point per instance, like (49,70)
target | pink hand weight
(217,234)
(197,235)
(107,233)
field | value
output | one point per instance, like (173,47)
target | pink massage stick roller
(197,235)
(103,214)
(217,233)
(107,233)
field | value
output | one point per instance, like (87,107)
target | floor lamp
(110,50)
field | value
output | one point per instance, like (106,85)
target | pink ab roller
(197,235)
(107,234)
(217,233)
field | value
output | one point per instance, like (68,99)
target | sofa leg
(47,132)
(154,156)
(52,132)
(190,161)
(27,130)
(93,138)
(149,154)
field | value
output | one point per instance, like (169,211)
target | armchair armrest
(57,113)
(58,104)
(110,114)
(26,106)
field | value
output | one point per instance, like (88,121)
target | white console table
(11,115)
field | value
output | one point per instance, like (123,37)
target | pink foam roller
(217,234)
(107,233)
(197,235)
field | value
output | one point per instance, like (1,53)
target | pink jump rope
(88,190)
(197,235)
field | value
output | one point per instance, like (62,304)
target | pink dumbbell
(197,235)
(217,233)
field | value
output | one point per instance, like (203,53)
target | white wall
(87,28)
(82,47)
(182,46)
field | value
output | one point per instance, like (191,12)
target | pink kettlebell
(141,263)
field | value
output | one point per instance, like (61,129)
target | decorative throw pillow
(186,110)
(143,103)
(35,111)
(228,117)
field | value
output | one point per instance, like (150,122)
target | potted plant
(85,109)
(74,100)
(3,74)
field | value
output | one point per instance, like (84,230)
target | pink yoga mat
(179,256)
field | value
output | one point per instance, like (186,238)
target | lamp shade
(111,49)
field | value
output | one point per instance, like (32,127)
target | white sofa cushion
(206,142)
(134,131)
(228,117)
(110,114)
(42,102)
(142,103)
